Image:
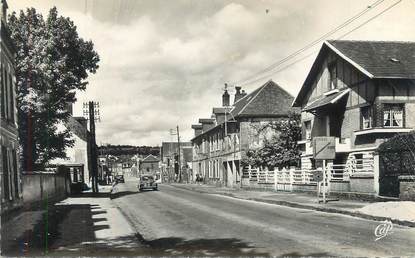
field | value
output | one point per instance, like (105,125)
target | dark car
(147,182)
(119,179)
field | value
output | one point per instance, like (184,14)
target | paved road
(175,221)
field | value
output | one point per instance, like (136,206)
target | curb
(309,207)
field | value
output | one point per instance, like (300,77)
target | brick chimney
(207,123)
(238,94)
(198,129)
(219,114)
(225,97)
(243,93)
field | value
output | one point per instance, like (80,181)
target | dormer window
(332,75)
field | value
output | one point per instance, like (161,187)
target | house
(11,190)
(222,141)
(78,159)
(362,93)
(169,160)
(149,165)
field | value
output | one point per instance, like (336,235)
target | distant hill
(117,150)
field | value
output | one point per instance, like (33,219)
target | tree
(281,150)
(52,62)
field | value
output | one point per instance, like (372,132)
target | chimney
(207,123)
(225,97)
(238,94)
(243,93)
(219,114)
(198,129)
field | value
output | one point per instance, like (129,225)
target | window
(3,94)
(393,115)
(4,154)
(333,75)
(15,172)
(11,98)
(366,117)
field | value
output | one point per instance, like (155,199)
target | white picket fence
(286,178)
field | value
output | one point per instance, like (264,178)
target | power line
(255,79)
(279,70)
(372,18)
(313,43)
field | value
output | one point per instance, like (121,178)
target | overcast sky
(164,63)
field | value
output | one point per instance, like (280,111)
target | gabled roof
(268,100)
(77,128)
(381,59)
(150,158)
(375,59)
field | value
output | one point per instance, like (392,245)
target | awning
(326,100)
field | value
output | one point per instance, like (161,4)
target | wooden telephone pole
(91,110)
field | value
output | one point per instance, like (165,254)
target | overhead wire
(256,78)
(311,44)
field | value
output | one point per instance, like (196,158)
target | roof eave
(356,65)
(335,50)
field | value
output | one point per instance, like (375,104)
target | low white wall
(39,186)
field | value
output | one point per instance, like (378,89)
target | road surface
(174,221)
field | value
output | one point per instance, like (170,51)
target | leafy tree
(397,155)
(282,149)
(52,62)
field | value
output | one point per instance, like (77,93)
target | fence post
(329,170)
(303,176)
(376,171)
(284,178)
(266,175)
(275,180)
(291,179)
(249,173)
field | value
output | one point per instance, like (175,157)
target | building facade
(11,192)
(169,161)
(222,141)
(78,157)
(149,165)
(362,93)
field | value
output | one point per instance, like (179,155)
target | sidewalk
(402,213)
(84,225)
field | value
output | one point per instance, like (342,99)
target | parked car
(147,182)
(119,179)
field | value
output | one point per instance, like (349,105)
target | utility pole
(178,155)
(91,109)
